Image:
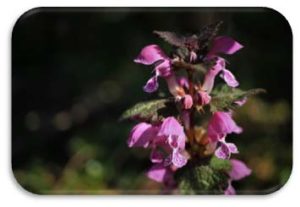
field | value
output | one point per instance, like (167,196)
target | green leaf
(172,38)
(201,179)
(220,164)
(152,110)
(224,98)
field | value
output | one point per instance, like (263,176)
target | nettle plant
(186,133)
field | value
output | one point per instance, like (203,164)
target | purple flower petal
(173,86)
(203,98)
(164,69)
(141,135)
(178,159)
(236,129)
(156,156)
(183,82)
(173,141)
(158,172)
(150,54)
(151,85)
(230,190)
(209,78)
(239,170)
(232,148)
(229,78)
(225,150)
(171,127)
(193,56)
(241,102)
(222,152)
(221,124)
(187,101)
(225,45)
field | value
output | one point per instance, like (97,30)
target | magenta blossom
(223,45)
(167,142)
(209,78)
(153,55)
(203,97)
(225,149)
(160,173)
(167,148)
(214,71)
(183,82)
(219,126)
(141,135)
(222,124)
(175,137)
(230,189)
(187,101)
(239,170)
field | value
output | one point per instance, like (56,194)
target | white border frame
(12,193)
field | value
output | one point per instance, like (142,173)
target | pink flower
(209,78)
(229,78)
(167,141)
(152,54)
(230,189)
(225,149)
(171,128)
(219,126)
(187,101)
(175,89)
(219,67)
(151,85)
(183,82)
(175,138)
(141,135)
(203,98)
(222,124)
(239,170)
(224,45)
(159,173)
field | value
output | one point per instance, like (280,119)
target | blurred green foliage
(73,75)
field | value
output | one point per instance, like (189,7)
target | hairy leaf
(225,98)
(189,42)
(171,38)
(207,33)
(202,179)
(220,164)
(150,110)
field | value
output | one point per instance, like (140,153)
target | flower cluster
(176,140)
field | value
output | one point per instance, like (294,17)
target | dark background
(73,75)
